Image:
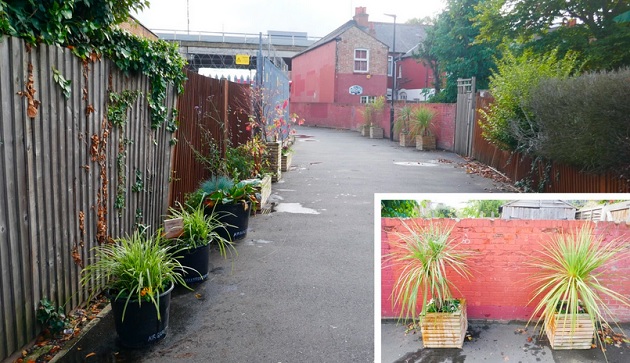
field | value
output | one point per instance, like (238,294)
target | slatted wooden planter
(445,330)
(364,130)
(425,142)
(274,158)
(406,140)
(286,161)
(561,335)
(376,132)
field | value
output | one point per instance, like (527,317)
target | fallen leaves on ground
(47,345)
(609,337)
(474,167)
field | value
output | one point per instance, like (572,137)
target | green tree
(399,209)
(482,208)
(508,121)
(583,26)
(452,45)
(427,20)
(425,53)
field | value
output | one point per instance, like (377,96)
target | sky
(315,17)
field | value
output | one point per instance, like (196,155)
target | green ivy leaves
(88,27)
(64,84)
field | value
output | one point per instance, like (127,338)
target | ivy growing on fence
(88,29)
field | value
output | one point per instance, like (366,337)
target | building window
(390,65)
(399,71)
(402,96)
(361,60)
(367,99)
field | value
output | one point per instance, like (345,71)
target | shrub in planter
(570,287)
(402,127)
(421,120)
(232,202)
(423,255)
(139,273)
(199,231)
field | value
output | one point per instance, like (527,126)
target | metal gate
(465,117)
(272,81)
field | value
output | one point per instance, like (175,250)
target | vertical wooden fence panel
(203,118)
(58,180)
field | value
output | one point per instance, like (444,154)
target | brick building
(335,77)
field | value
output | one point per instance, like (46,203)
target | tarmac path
(302,286)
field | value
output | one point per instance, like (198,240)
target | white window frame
(390,65)
(366,60)
(368,99)
(400,69)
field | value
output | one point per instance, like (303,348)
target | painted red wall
(415,75)
(498,289)
(313,75)
(373,85)
(350,116)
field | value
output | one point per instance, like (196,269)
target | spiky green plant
(421,119)
(137,267)
(199,229)
(569,277)
(403,121)
(425,254)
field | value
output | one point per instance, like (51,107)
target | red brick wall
(499,287)
(350,116)
(443,124)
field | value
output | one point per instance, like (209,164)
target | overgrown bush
(583,121)
(508,118)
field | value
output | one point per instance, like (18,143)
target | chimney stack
(361,16)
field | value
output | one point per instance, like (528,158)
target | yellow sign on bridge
(242,59)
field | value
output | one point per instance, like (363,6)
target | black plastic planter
(235,217)
(196,264)
(140,326)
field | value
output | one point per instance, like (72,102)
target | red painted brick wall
(313,75)
(350,116)
(499,287)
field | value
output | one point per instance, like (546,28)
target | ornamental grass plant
(570,278)
(136,268)
(199,229)
(426,255)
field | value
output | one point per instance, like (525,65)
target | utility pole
(393,98)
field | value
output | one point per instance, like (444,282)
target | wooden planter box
(262,189)
(376,132)
(560,334)
(286,161)
(274,157)
(406,140)
(365,130)
(425,142)
(445,330)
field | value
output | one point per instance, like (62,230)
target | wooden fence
(64,169)
(562,178)
(210,110)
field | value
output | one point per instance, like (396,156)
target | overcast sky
(316,17)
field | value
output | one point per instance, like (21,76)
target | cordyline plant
(426,254)
(569,278)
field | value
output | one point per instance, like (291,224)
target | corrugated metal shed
(538,209)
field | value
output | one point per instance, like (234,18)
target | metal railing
(284,39)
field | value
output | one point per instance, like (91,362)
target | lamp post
(393,98)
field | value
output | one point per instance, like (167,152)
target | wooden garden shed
(538,209)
